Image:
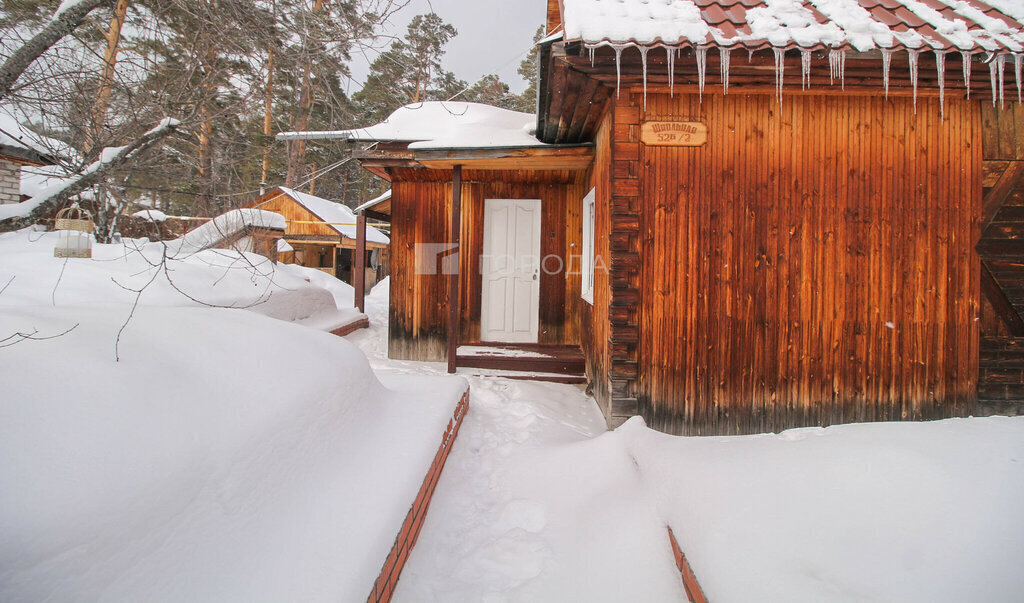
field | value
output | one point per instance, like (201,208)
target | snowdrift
(171,451)
(866,512)
(165,277)
(227,456)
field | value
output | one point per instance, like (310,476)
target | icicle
(750,54)
(886,63)
(805,69)
(1018,59)
(966,58)
(913,55)
(842,69)
(670,52)
(837,66)
(702,63)
(991,77)
(618,67)
(940,66)
(643,61)
(592,48)
(724,57)
(1001,61)
(780,69)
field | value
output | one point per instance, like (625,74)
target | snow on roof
(340,218)
(443,125)
(151,215)
(226,225)
(374,202)
(13,134)
(860,24)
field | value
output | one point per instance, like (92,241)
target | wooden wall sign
(674,133)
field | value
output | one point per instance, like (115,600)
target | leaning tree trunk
(60,25)
(50,199)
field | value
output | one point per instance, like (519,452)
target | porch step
(547,377)
(541,362)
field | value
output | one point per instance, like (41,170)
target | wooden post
(359,263)
(453,276)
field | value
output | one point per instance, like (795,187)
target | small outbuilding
(322,234)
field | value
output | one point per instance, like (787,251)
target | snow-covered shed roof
(19,142)
(224,227)
(338,217)
(966,25)
(442,125)
(375,202)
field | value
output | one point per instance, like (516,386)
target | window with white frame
(587,257)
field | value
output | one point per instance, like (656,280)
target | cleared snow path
(536,502)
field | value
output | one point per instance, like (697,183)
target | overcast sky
(494,36)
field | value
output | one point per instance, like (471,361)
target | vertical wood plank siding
(813,264)
(594,319)
(420,208)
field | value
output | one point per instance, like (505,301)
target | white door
(510,267)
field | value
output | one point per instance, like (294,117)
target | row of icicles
(837,70)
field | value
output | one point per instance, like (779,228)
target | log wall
(421,209)
(811,264)
(1001,378)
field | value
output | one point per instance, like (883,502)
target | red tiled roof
(969,25)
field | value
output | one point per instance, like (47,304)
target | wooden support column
(453,272)
(359,263)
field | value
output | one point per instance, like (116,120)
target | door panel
(510,268)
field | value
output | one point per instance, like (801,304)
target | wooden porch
(536,362)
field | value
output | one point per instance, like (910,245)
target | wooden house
(322,234)
(765,216)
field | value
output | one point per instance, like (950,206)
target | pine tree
(528,69)
(409,71)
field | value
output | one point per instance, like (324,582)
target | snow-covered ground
(224,457)
(530,506)
(220,455)
(539,503)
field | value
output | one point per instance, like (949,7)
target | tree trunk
(99,109)
(268,120)
(59,26)
(297,148)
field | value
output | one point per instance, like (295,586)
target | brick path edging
(693,589)
(384,587)
(352,327)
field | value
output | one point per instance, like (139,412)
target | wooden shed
(767,218)
(323,234)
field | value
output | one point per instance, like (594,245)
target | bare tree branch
(63,22)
